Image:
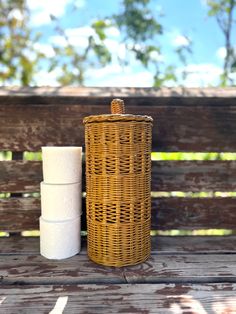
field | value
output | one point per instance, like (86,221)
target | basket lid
(117,114)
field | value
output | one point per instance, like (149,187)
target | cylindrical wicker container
(118,186)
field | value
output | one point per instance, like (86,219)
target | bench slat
(193,213)
(19,214)
(25,176)
(126,298)
(27,123)
(17,245)
(168,268)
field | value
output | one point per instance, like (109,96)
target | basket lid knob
(117,106)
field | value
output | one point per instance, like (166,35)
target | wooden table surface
(183,275)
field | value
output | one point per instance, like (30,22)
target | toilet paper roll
(62,165)
(59,240)
(60,201)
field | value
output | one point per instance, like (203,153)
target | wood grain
(16,245)
(191,268)
(18,214)
(193,176)
(25,176)
(180,124)
(184,274)
(125,298)
(193,213)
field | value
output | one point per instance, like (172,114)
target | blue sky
(180,18)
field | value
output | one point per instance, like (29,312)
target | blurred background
(141,43)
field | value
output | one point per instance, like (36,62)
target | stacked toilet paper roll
(61,202)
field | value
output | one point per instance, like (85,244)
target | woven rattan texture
(118,178)
(117,117)
(117,106)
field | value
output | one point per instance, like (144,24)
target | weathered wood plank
(193,213)
(29,123)
(184,268)
(125,298)
(160,245)
(191,268)
(193,175)
(20,269)
(18,214)
(20,176)
(25,176)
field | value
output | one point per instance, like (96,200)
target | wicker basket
(118,178)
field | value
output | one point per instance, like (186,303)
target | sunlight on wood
(4,234)
(30,233)
(226,307)
(199,232)
(187,302)
(59,306)
(2,299)
(193,156)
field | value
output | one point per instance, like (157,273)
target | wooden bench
(185,274)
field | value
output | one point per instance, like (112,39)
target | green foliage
(18,59)
(100,26)
(193,156)
(6,155)
(199,232)
(137,21)
(140,30)
(100,50)
(36,156)
(167,76)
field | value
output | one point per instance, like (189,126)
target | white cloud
(41,10)
(156,56)
(116,48)
(58,40)
(115,75)
(16,14)
(105,71)
(77,37)
(84,31)
(140,79)
(200,75)
(44,78)
(180,40)
(221,53)
(113,32)
(46,49)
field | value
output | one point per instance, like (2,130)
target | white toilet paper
(59,240)
(61,201)
(62,165)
